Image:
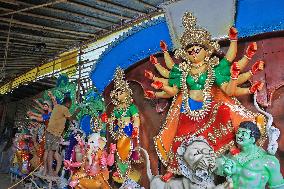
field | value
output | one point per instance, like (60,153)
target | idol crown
(195,35)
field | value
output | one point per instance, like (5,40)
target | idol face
(196,54)
(244,137)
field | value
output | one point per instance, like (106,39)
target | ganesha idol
(203,88)
(93,172)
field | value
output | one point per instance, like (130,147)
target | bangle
(233,40)
(234,78)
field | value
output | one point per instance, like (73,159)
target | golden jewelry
(194,35)
(120,84)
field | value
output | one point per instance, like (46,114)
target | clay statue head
(196,42)
(247,134)
(196,159)
(196,53)
(96,142)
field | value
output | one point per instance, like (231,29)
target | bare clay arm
(232,51)
(39,104)
(243,77)
(33,114)
(162,94)
(233,48)
(243,62)
(168,59)
(38,109)
(170,90)
(163,71)
(52,97)
(136,121)
(230,87)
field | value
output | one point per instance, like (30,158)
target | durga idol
(202,86)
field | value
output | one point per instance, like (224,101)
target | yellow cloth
(57,120)
(124,148)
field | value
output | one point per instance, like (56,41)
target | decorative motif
(131,184)
(196,35)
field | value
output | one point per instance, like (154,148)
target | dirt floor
(5,182)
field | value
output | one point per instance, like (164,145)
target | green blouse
(222,75)
(131,111)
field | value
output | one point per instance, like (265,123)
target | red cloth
(187,127)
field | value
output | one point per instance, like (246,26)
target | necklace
(197,65)
(197,114)
(196,76)
(244,158)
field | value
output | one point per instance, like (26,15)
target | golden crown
(196,35)
(120,84)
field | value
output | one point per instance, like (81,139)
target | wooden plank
(12,2)
(148,5)
(34,7)
(26,45)
(22,50)
(26,54)
(60,11)
(53,39)
(19,58)
(29,42)
(98,11)
(120,6)
(84,25)
(44,28)
(21,63)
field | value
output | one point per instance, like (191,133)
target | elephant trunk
(148,166)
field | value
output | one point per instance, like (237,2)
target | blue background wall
(259,16)
(252,17)
(140,42)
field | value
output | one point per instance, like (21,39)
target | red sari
(218,127)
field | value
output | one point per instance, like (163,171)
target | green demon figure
(252,167)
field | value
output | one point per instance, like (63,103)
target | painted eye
(197,153)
